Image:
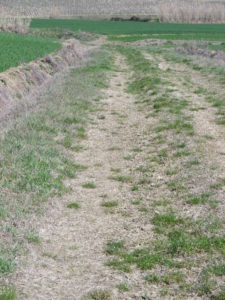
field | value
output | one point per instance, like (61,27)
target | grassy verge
(186,255)
(170,37)
(17,49)
(37,155)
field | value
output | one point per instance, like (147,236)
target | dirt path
(204,115)
(209,135)
(70,260)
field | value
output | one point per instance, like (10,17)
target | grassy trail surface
(71,257)
(144,216)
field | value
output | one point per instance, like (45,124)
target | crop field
(112,173)
(132,28)
(18,49)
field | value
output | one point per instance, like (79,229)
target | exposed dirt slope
(17,83)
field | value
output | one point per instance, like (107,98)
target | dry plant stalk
(186,11)
(17,25)
(191,12)
(69,8)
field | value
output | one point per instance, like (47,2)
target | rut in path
(70,261)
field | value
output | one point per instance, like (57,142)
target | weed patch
(122,178)
(98,295)
(112,203)
(123,287)
(32,237)
(7,293)
(73,205)
(89,185)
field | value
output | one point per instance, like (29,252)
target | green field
(161,30)
(17,49)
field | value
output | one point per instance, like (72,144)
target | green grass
(114,247)
(220,295)
(152,278)
(136,202)
(122,178)
(171,172)
(164,252)
(219,104)
(162,202)
(89,185)
(179,126)
(17,49)
(218,269)
(134,188)
(6,264)
(168,219)
(179,242)
(128,27)
(115,170)
(98,295)
(173,277)
(123,287)
(198,199)
(119,264)
(32,237)
(112,203)
(73,205)
(7,293)
(220,47)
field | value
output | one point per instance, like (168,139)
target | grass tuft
(7,293)
(114,247)
(122,178)
(73,205)
(89,185)
(98,295)
(112,203)
(123,287)
(33,237)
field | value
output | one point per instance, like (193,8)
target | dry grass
(191,12)
(18,25)
(167,10)
(43,8)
